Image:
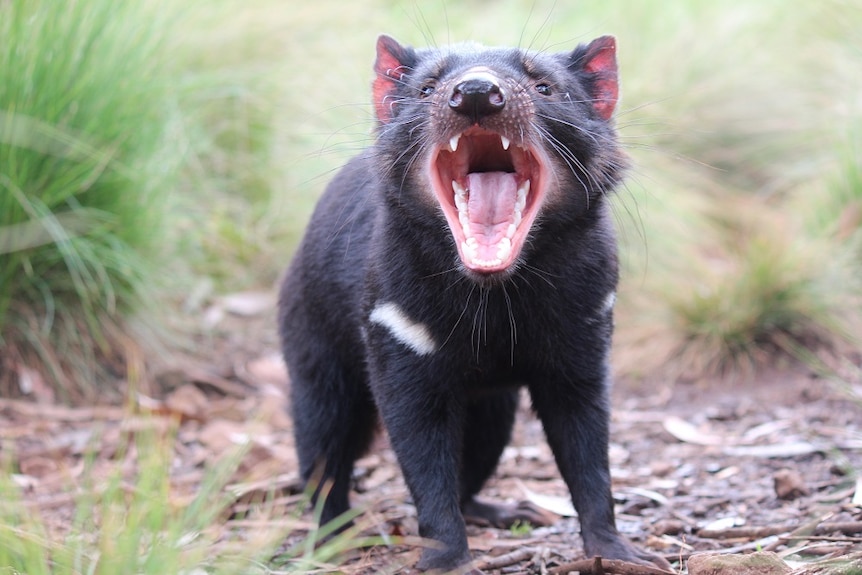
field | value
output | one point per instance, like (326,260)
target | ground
(767,460)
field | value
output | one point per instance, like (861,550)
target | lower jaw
(488,278)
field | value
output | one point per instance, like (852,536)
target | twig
(743,532)
(845,527)
(507,559)
(831,538)
(599,566)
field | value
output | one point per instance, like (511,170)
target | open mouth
(490,191)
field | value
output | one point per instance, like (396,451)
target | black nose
(477,98)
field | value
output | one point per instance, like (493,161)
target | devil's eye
(427,89)
(543,89)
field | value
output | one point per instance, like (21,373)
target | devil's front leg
(423,415)
(573,406)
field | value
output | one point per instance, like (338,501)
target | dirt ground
(765,462)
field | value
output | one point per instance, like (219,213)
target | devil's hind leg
(334,420)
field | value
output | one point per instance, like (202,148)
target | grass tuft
(130,517)
(84,167)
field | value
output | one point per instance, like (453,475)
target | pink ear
(389,68)
(600,60)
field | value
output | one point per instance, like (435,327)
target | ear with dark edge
(393,63)
(598,60)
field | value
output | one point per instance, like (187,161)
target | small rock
(789,484)
(668,527)
(760,563)
(662,468)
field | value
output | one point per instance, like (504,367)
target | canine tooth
(472,243)
(505,142)
(453,142)
(510,231)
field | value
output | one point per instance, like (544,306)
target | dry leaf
(558,505)
(248,304)
(723,523)
(38,467)
(188,401)
(266,369)
(791,449)
(857,497)
(648,493)
(30,382)
(789,484)
(688,433)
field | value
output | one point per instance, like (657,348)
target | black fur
(378,235)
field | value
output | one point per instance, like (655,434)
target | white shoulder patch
(609,302)
(414,335)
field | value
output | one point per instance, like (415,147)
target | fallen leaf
(764,429)
(558,505)
(265,369)
(688,433)
(857,497)
(188,401)
(723,523)
(790,449)
(38,467)
(648,493)
(30,382)
(789,484)
(248,304)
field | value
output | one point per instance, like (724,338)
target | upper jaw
(490,190)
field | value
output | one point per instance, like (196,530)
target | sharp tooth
(505,141)
(460,196)
(472,243)
(468,250)
(458,189)
(523,190)
(510,231)
(504,249)
(453,142)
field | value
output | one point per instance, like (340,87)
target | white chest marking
(609,302)
(414,335)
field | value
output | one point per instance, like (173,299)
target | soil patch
(769,463)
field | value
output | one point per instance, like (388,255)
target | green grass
(134,160)
(129,517)
(85,163)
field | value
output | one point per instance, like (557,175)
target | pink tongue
(491,205)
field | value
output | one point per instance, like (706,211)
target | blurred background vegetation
(156,153)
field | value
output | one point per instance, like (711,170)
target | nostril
(496,98)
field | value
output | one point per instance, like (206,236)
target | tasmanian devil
(469,251)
